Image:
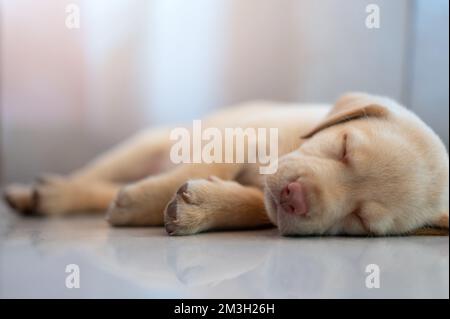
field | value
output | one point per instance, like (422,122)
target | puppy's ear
(353,106)
(437,227)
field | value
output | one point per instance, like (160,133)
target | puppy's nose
(293,199)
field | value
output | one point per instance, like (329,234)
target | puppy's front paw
(191,209)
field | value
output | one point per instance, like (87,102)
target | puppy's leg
(201,205)
(146,153)
(60,196)
(144,202)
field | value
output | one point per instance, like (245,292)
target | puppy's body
(393,181)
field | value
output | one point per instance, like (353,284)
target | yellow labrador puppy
(366,166)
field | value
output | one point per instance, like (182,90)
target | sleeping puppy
(366,166)
(370,167)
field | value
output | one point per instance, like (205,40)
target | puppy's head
(370,167)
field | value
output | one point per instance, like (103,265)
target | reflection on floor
(146,263)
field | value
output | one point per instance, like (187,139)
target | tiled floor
(145,263)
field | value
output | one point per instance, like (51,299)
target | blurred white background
(67,94)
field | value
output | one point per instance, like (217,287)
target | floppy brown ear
(438,227)
(350,107)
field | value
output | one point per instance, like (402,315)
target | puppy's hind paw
(19,198)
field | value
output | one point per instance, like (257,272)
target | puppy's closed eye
(344,156)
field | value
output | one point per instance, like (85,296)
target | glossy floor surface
(146,263)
